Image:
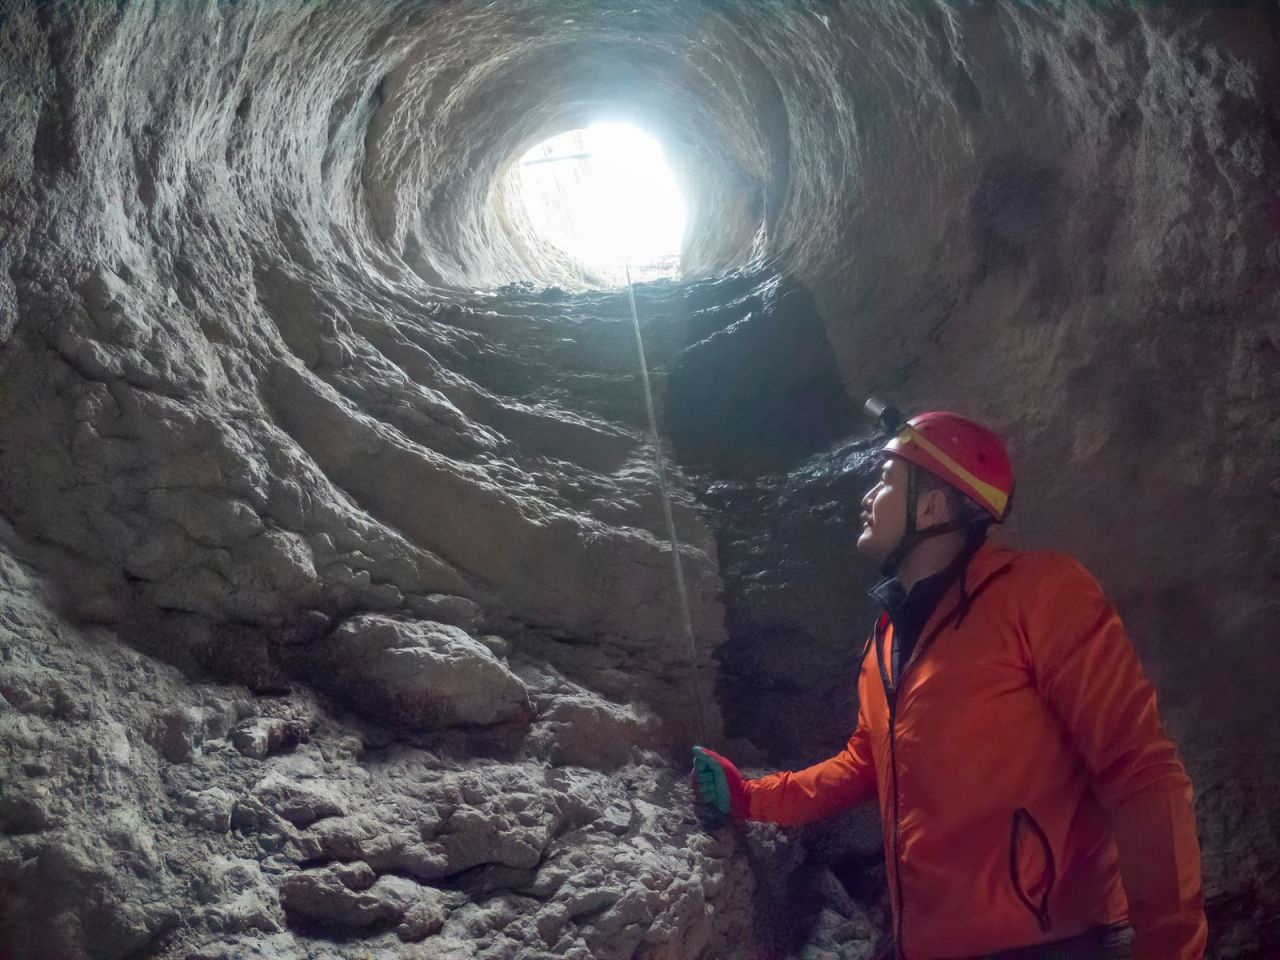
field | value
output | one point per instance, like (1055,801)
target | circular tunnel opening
(605,197)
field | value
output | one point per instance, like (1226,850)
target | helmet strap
(911,536)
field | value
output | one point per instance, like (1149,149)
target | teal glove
(718,788)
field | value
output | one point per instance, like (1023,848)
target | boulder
(417,674)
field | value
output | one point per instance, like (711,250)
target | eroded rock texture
(336,615)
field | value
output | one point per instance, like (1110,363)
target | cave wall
(280,410)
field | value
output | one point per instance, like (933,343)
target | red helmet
(961,453)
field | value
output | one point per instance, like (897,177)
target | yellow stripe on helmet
(996,498)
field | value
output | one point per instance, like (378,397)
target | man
(1032,803)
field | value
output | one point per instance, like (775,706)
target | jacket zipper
(891,695)
(897,849)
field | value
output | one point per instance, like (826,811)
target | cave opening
(604,196)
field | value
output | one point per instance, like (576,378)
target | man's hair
(972,518)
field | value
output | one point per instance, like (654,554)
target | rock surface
(346,842)
(336,610)
(416,674)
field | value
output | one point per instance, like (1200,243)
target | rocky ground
(149,816)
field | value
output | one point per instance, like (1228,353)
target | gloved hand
(718,788)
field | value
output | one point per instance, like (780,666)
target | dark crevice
(762,425)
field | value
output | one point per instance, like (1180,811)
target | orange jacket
(1026,783)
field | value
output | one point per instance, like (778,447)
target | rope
(660,465)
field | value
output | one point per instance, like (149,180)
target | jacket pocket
(1031,866)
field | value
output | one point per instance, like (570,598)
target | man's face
(884,512)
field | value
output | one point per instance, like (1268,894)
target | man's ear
(932,508)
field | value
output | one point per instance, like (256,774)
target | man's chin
(867,548)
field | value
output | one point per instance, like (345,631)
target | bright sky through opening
(605,195)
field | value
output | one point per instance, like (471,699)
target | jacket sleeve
(822,790)
(825,789)
(1089,673)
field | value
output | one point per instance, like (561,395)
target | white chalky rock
(418,674)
